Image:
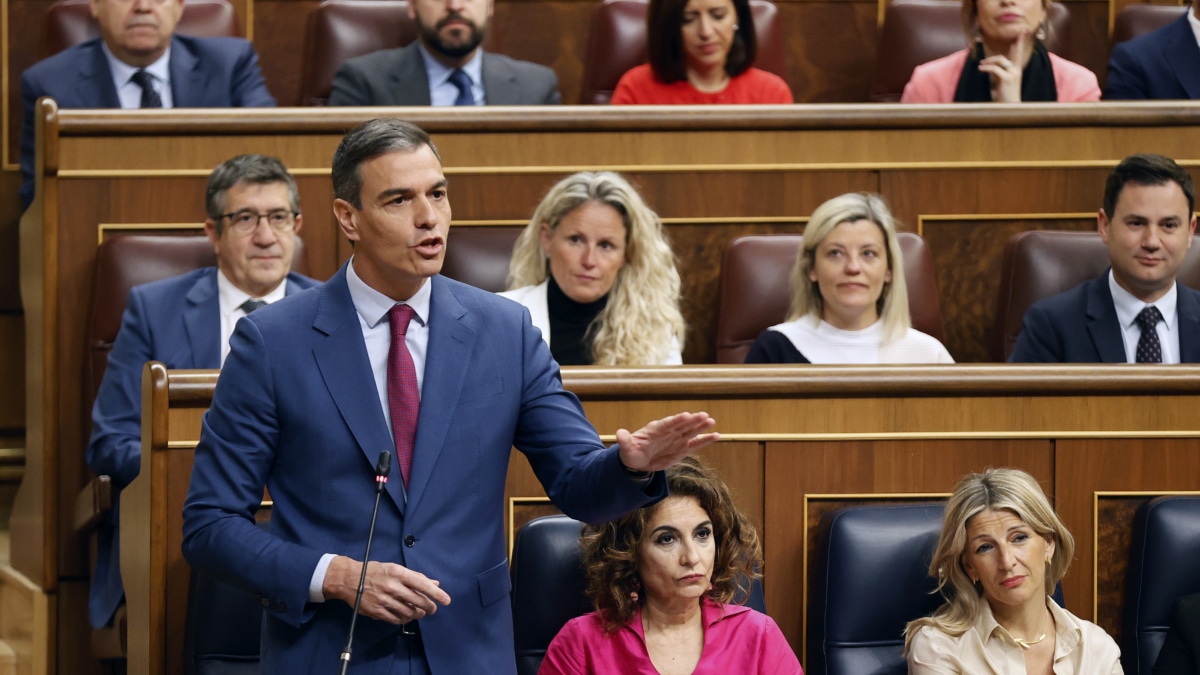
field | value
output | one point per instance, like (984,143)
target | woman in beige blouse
(1002,551)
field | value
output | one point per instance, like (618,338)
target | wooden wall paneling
(1087,468)
(552,33)
(831,49)
(280,31)
(1089,35)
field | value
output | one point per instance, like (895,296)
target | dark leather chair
(343,29)
(479,256)
(617,42)
(1164,564)
(1043,263)
(919,31)
(872,578)
(1135,20)
(222,635)
(548,584)
(755,289)
(122,262)
(70,22)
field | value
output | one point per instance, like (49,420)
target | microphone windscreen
(385,464)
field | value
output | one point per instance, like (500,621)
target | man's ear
(210,231)
(1102,224)
(345,212)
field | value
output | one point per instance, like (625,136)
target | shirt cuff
(315,592)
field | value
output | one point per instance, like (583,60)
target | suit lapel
(346,371)
(451,341)
(95,79)
(499,82)
(409,83)
(187,78)
(202,306)
(1187,309)
(1181,51)
(1102,323)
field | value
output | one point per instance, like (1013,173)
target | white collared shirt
(230,299)
(128,91)
(1128,307)
(1195,23)
(441,90)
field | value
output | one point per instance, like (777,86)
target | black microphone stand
(381,476)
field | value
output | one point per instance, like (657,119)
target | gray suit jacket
(397,77)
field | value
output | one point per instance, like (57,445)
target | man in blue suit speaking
(138,62)
(185,322)
(390,356)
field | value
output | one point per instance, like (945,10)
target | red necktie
(403,398)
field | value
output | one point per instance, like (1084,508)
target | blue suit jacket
(205,73)
(296,409)
(1080,326)
(1164,64)
(176,321)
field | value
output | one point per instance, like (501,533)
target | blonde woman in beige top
(1002,551)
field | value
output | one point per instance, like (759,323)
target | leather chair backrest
(755,289)
(1135,20)
(871,579)
(617,42)
(548,584)
(1164,564)
(919,31)
(479,256)
(223,629)
(1043,263)
(127,260)
(70,22)
(343,29)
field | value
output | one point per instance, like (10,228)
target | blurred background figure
(596,272)
(661,579)
(849,300)
(1001,553)
(1006,61)
(701,51)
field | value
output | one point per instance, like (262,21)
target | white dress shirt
(230,299)
(128,91)
(1128,307)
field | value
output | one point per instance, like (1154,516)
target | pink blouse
(736,640)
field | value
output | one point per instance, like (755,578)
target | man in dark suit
(185,322)
(390,355)
(138,62)
(1164,64)
(446,66)
(1137,312)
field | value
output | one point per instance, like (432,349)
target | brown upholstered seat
(617,42)
(1135,20)
(919,31)
(343,29)
(479,256)
(70,22)
(1043,263)
(755,289)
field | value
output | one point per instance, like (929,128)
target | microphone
(382,467)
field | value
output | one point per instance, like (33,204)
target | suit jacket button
(266,602)
(410,541)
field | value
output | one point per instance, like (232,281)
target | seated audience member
(445,66)
(596,272)
(1180,653)
(1006,63)
(701,51)
(1163,64)
(1001,553)
(185,322)
(138,62)
(849,302)
(662,579)
(1138,312)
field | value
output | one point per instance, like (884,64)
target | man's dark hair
(1147,169)
(253,169)
(664,40)
(367,141)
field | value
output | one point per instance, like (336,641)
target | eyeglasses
(245,222)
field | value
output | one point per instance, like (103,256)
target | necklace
(1026,644)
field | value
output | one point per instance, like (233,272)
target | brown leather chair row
(1135,20)
(756,289)
(70,22)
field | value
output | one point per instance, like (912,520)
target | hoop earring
(1041,31)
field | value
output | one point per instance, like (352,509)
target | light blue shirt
(1128,307)
(128,91)
(441,90)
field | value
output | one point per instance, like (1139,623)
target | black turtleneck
(569,321)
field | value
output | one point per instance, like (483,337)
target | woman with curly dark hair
(661,579)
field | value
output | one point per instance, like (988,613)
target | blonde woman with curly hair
(1001,553)
(662,579)
(849,301)
(596,272)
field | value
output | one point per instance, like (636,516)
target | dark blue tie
(1149,350)
(150,98)
(463,82)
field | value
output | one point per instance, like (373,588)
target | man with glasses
(185,322)
(139,62)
